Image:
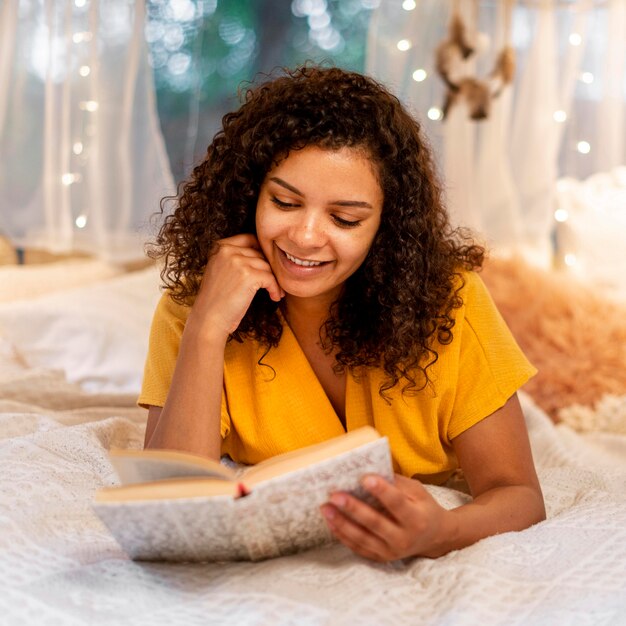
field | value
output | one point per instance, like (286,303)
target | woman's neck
(306,316)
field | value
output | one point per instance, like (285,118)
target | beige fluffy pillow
(574,336)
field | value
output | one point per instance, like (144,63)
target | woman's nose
(308,230)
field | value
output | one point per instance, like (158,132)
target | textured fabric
(280,405)
(60,566)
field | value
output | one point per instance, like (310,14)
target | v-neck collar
(355,409)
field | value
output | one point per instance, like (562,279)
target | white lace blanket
(58,565)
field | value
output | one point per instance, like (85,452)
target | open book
(180,507)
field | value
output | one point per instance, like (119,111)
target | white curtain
(563,115)
(82,160)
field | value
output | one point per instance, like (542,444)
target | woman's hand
(233,275)
(497,462)
(410,524)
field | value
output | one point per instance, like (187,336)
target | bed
(72,340)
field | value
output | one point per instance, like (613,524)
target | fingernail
(328,512)
(339,500)
(370,483)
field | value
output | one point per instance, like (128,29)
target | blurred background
(105,105)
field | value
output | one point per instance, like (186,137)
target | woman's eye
(281,204)
(346,223)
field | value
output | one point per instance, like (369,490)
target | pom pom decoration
(459,47)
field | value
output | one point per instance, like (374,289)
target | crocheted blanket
(58,563)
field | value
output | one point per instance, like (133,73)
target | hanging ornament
(451,57)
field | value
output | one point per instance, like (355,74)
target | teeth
(302,262)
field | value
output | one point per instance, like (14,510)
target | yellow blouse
(267,412)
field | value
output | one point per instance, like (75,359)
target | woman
(314,285)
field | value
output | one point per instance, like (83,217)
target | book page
(310,455)
(170,489)
(141,466)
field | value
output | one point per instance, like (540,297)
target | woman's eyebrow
(286,185)
(354,203)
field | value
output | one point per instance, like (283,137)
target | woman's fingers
(408,524)
(256,272)
(248,251)
(235,271)
(243,240)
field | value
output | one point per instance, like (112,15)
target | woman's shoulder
(470,281)
(170,310)
(479,312)
(469,286)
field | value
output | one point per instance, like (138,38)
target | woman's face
(317,215)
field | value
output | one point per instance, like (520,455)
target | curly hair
(410,281)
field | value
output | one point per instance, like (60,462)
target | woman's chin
(302,292)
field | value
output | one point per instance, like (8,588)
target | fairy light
(575,39)
(69,178)
(583,147)
(419,75)
(434,114)
(561,215)
(403,45)
(570,259)
(587,78)
(408,5)
(559,116)
(88,105)
(80,3)
(82,36)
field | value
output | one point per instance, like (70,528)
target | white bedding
(59,565)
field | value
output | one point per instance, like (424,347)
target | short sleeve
(166,332)
(492,367)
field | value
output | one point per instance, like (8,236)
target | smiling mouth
(303,262)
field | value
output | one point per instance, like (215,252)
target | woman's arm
(496,458)
(497,461)
(190,419)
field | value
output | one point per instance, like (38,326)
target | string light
(80,3)
(434,114)
(587,78)
(408,5)
(88,105)
(559,116)
(583,147)
(403,45)
(561,215)
(570,259)
(70,178)
(575,39)
(83,36)
(419,75)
